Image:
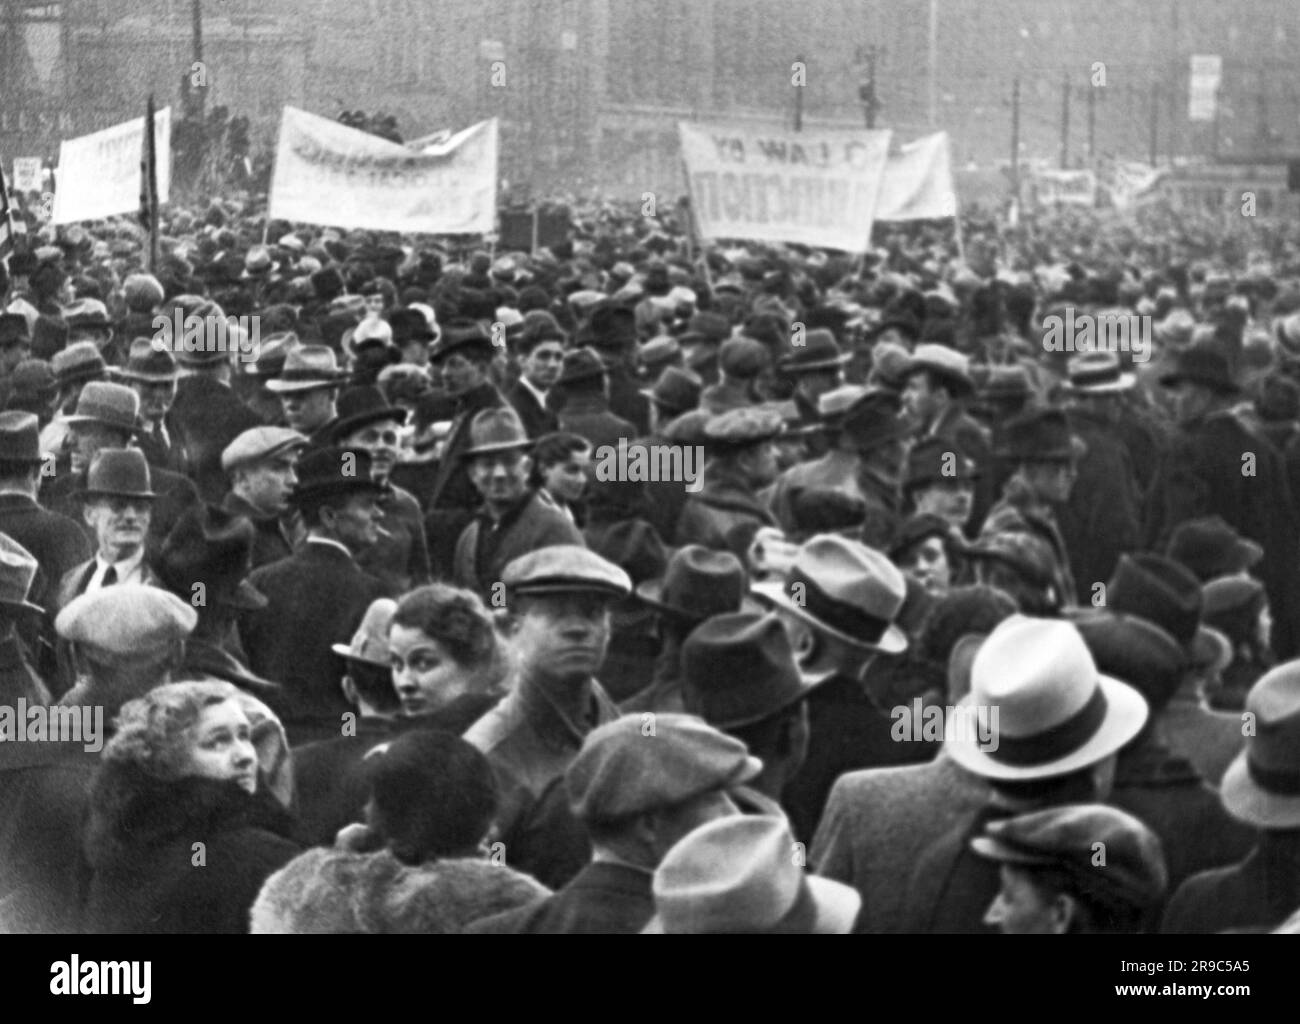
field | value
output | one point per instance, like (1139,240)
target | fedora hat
(272,354)
(329,470)
(1201,364)
(306,368)
(929,462)
(819,351)
(110,405)
(833,404)
(739,668)
(1041,435)
(81,360)
(1006,383)
(213,547)
(1210,547)
(461,335)
(1262,786)
(20,438)
(1098,373)
(677,390)
(736,875)
(1056,713)
(18,568)
(496,430)
(1133,650)
(359,407)
(699,583)
(581,364)
(146,363)
(370,641)
(120,473)
(1168,595)
(846,589)
(949,365)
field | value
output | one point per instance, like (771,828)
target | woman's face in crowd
(425,676)
(220,746)
(928,562)
(568,479)
(1022,908)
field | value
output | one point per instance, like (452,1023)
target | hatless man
(541,354)
(261,464)
(317,595)
(558,599)
(514,519)
(636,795)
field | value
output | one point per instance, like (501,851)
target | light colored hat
(846,589)
(259,443)
(1098,373)
(945,362)
(1262,786)
(307,368)
(739,874)
(370,641)
(1056,713)
(127,619)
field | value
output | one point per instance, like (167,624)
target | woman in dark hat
(929,549)
(1237,606)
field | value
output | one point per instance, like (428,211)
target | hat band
(1110,375)
(842,617)
(1057,742)
(1284,782)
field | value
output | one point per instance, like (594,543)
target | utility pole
(1065,121)
(932,96)
(798,100)
(196,12)
(1092,123)
(867,90)
(1154,139)
(1015,139)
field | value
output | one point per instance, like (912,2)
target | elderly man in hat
(540,351)
(317,595)
(726,513)
(900,835)
(367,422)
(1260,790)
(1214,466)
(308,388)
(815,367)
(151,373)
(583,401)
(513,519)
(261,464)
(558,599)
(1051,880)
(636,793)
(838,601)
(124,642)
(1046,455)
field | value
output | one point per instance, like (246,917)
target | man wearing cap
(513,519)
(815,367)
(151,373)
(540,351)
(108,417)
(308,388)
(726,513)
(74,367)
(261,466)
(367,422)
(558,599)
(1046,457)
(583,401)
(205,416)
(87,320)
(741,361)
(939,480)
(317,595)
(837,602)
(612,333)
(1052,882)
(1215,466)
(636,793)
(124,643)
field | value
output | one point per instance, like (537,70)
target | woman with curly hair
(188,815)
(419,865)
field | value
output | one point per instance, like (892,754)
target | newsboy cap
(128,619)
(738,428)
(259,443)
(631,766)
(562,569)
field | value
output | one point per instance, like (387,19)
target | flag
(149,185)
(6,219)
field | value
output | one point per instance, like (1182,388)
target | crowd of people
(630,585)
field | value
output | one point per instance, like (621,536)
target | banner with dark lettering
(328,173)
(815,187)
(99,174)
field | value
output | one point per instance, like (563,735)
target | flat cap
(259,443)
(565,569)
(1133,871)
(743,358)
(739,427)
(637,764)
(128,619)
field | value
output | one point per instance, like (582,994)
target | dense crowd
(630,585)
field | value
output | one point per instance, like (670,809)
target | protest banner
(99,174)
(328,173)
(1071,188)
(27,174)
(815,187)
(917,184)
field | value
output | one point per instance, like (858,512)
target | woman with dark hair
(561,462)
(1237,606)
(188,813)
(927,548)
(418,866)
(448,661)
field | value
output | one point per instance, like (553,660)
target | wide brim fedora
(499,446)
(652,591)
(1126,380)
(99,492)
(1248,801)
(892,641)
(138,429)
(1126,715)
(833,907)
(363,419)
(281,386)
(126,373)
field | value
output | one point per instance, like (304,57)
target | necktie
(110,577)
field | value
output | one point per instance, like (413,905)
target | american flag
(6,218)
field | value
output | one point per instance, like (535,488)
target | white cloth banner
(99,174)
(918,182)
(1073,188)
(1203,87)
(1130,182)
(815,187)
(27,174)
(328,173)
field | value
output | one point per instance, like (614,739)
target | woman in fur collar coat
(187,816)
(418,867)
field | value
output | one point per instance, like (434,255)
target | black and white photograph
(651,467)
